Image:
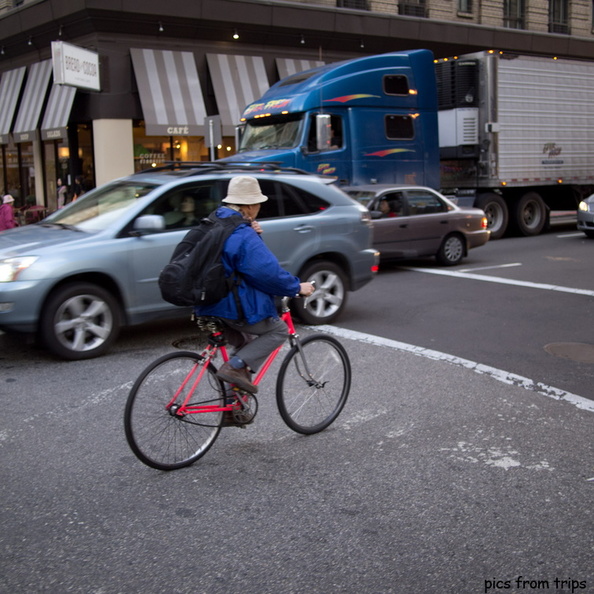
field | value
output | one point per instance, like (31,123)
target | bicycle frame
(216,344)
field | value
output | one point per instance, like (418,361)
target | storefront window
(66,162)
(26,191)
(152,151)
(85,156)
(11,183)
(55,157)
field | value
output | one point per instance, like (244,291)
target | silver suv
(78,276)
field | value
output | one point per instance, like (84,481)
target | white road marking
(497,374)
(490,267)
(502,281)
(580,234)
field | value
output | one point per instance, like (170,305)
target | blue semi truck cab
(368,120)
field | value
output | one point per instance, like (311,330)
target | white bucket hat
(7,199)
(244,189)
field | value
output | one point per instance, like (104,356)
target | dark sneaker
(239,377)
(229,420)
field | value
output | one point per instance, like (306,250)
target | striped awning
(10,89)
(170,92)
(57,112)
(32,102)
(288,66)
(237,81)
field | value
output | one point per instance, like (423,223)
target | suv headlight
(12,267)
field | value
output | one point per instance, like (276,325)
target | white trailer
(516,135)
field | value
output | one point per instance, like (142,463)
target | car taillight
(375,265)
(484,223)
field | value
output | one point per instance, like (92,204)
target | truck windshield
(272,133)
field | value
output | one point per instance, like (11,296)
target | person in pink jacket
(7,220)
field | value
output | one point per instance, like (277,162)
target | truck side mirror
(323,131)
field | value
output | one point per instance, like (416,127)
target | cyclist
(262,278)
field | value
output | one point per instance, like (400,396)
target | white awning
(57,112)
(10,89)
(170,92)
(237,82)
(32,102)
(288,66)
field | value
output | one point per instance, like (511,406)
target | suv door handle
(303,228)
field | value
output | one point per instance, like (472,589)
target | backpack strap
(234,280)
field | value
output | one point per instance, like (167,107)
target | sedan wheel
(451,251)
(329,298)
(80,321)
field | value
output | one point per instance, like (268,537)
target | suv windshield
(98,209)
(271,133)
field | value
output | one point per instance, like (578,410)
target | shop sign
(75,66)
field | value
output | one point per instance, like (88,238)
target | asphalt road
(538,326)
(438,477)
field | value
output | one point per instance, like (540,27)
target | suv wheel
(329,298)
(80,321)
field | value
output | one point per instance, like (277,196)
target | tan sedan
(415,221)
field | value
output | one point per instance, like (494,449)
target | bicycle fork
(305,373)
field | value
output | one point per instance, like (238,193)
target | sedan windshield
(271,133)
(98,209)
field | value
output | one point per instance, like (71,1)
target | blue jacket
(262,277)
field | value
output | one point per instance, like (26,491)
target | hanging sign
(75,66)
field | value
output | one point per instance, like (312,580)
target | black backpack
(195,274)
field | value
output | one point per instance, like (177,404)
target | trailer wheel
(496,212)
(531,214)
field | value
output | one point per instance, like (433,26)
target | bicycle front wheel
(161,433)
(313,383)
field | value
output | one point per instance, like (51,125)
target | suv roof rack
(193,167)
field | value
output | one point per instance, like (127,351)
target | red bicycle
(176,408)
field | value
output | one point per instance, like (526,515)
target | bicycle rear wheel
(313,384)
(157,433)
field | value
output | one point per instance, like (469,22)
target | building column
(113,145)
(39,190)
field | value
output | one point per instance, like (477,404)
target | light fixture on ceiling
(161,27)
(302,40)
(235,34)
(2,51)
(60,31)
(361,44)
(30,42)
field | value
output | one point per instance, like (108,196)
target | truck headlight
(10,268)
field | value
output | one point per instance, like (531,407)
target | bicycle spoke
(313,384)
(156,432)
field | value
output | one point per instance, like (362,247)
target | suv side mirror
(148,224)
